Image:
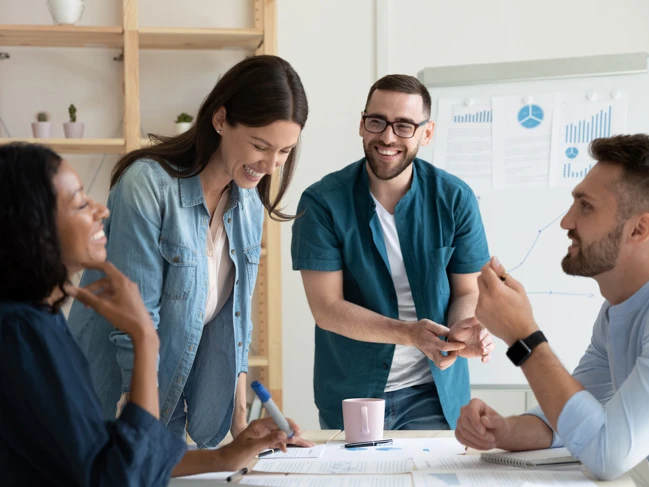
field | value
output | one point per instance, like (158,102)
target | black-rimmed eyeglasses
(405,130)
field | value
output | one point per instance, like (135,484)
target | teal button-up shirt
(440,232)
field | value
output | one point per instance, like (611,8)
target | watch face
(518,352)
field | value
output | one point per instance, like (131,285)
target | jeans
(411,408)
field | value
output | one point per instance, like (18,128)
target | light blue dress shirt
(157,233)
(606,426)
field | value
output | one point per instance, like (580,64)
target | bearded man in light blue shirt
(601,411)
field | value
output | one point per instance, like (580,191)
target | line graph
(555,293)
(529,252)
(538,235)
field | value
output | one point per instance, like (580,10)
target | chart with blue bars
(584,131)
(482,116)
(582,123)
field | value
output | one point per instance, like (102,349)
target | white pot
(65,12)
(182,127)
(73,130)
(42,130)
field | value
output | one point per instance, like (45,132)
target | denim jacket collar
(191,192)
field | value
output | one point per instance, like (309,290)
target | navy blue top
(51,426)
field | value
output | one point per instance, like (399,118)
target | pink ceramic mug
(363,419)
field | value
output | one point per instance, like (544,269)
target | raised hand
(117,299)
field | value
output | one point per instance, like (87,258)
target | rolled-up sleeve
(314,245)
(470,242)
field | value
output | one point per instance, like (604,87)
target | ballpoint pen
(269,451)
(237,474)
(361,444)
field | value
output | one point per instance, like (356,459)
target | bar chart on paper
(471,114)
(579,122)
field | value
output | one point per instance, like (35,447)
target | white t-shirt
(409,365)
(219,263)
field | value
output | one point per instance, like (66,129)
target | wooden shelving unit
(60,36)
(172,38)
(76,146)
(260,39)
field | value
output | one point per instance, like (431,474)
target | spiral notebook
(532,458)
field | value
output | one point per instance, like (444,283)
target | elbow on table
(608,467)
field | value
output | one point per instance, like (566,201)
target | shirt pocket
(438,261)
(252,253)
(180,269)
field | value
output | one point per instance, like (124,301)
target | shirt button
(232,251)
(236,282)
(200,315)
(385,366)
(176,259)
(229,220)
(237,313)
(240,344)
(209,253)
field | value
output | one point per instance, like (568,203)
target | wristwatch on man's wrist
(521,350)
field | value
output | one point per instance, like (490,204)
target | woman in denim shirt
(186,226)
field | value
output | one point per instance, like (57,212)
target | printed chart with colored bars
(578,122)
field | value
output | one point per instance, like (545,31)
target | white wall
(330,44)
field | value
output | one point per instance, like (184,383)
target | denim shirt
(440,233)
(156,235)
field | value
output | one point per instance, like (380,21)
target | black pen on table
(237,474)
(269,451)
(361,444)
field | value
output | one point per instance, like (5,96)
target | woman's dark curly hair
(30,250)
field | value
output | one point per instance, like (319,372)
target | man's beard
(383,172)
(595,258)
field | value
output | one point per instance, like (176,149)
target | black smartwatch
(520,351)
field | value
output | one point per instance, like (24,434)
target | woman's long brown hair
(255,92)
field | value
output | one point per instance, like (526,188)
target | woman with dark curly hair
(51,426)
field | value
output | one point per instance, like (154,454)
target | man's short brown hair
(632,153)
(402,83)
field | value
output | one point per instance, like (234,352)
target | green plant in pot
(42,127)
(73,129)
(183,122)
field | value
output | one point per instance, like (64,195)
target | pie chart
(530,116)
(572,152)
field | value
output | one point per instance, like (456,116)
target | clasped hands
(466,338)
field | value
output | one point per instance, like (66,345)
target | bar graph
(584,131)
(483,116)
(569,172)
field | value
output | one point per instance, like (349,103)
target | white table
(322,436)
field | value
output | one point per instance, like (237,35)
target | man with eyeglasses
(389,249)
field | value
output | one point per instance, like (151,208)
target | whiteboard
(522,227)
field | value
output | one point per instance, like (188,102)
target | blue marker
(272,408)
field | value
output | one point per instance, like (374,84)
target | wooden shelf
(60,36)
(180,38)
(76,146)
(257,361)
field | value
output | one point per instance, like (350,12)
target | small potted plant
(65,12)
(73,129)
(42,128)
(183,122)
